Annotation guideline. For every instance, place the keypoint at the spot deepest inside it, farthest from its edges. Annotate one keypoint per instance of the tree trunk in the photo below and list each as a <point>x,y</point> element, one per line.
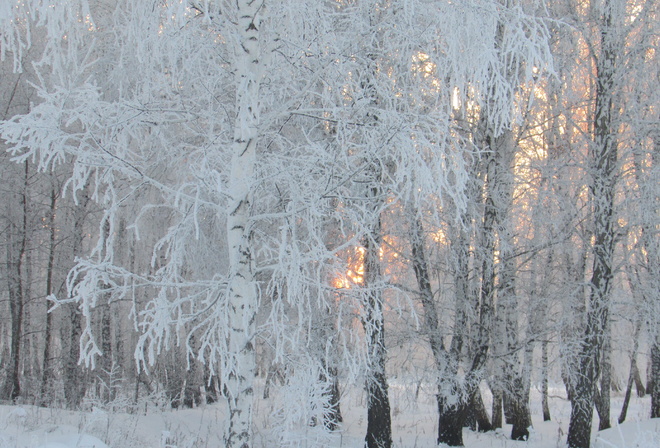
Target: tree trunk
<point>106,364</point>
<point>29,359</point>
<point>521,417</point>
<point>626,399</point>
<point>500,183</point>
<point>328,374</point>
<point>575,314</point>
<point>431,323</point>
<point>650,299</point>
<point>12,387</point>
<point>498,397</point>
<point>329,370</point>
<point>47,374</point>
<point>379,423</point>
<point>451,418</point>
<point>75,381</point>
<point>544,381</point>
<point>450,423</point>
<point>633,375</point>
<point>16,247</point>
<point>603,169</point>
<point>242,288</point>
<point>105,374</point>
<point>639,386</point>
<point>516,394</point>
<point>483,421</point>
<point>655,378</point>
<point>333,417</point>
<point>603,402</point>
<point>501,371</point>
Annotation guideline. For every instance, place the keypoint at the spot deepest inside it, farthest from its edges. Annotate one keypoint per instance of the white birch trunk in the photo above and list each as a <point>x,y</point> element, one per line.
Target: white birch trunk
<point>242,300</point>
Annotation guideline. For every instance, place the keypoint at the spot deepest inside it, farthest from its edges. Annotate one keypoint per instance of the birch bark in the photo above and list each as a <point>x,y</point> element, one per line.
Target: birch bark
<point>604,165</point>
<point>242,290</point>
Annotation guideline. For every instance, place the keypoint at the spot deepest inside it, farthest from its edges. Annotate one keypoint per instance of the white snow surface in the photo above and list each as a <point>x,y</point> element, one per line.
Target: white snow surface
<point>414,425</point>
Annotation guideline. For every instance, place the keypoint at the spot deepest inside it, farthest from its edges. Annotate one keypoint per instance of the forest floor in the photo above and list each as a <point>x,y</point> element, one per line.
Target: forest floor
<point>414,424</point>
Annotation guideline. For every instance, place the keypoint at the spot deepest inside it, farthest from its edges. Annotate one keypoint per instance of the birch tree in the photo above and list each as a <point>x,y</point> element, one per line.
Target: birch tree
<point>491,135</point>
<point>242,288</point>
<point>604,171</point>
<point>642,139</point>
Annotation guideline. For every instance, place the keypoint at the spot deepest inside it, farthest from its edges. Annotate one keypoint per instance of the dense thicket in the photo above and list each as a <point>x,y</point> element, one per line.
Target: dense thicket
<point>214,200</point>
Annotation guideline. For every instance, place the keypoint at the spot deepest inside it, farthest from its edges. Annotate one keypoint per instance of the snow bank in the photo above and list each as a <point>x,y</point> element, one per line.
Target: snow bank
<point>25,427</point>
<point>48,436</point>
<point>641,434</point>
<point>73,440</point>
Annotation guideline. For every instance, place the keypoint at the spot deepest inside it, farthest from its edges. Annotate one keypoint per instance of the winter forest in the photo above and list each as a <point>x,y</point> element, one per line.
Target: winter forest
<point>297,212</point>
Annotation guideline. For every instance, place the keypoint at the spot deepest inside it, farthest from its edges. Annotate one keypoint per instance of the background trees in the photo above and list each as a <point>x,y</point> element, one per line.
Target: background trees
<point>317,185</point>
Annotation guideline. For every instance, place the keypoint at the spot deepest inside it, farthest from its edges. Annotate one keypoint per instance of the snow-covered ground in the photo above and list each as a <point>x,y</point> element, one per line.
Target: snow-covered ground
<point>414,426</point>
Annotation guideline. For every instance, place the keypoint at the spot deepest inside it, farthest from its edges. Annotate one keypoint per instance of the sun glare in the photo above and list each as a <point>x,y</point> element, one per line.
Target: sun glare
<point>354,274</point>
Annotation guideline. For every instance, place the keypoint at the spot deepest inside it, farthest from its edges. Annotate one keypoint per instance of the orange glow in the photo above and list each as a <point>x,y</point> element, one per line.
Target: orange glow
<point>439,236</point>
<point>354,275</point>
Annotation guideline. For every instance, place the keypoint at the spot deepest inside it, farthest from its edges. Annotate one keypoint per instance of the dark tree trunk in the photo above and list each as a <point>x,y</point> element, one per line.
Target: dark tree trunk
<point>641,390</point>
<point>603,168</point>
<point>211,385</point>
<point>379,423</point>
<point>75,381</point>
<point>520,415</point>
<point>603,402</point>
<point>544,381</point>
<point>633,375</point>
<point>521,418</point>
<point>507,401</point>
<point>498,395</point>
<point>432,326</point>
<point>29,365</point>
<point>582,405</point>
<point>450,424</point>
<point>47,370</point>
<point>333,417</point>
<point>332,414</point>
<point>626,399</point>
<point>655,378</point>
<point>452,417</point>
<point>107,364</point>
<point>16,247</point>
<point>379,426</point>
<point>483,422</point>
<point>470,419</point>
<point>13,381</point>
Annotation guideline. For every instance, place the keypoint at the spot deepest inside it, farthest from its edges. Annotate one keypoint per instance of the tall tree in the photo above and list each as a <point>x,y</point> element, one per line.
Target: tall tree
<point>16,246</point>
<point>242,288</point>
<point>603,155</point>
